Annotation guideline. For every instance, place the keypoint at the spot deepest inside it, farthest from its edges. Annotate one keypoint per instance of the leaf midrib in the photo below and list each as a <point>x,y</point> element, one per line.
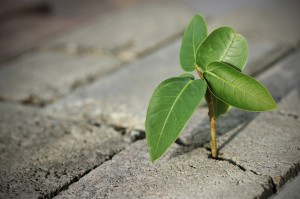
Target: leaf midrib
<point>160,135</point>
<point>231,42</point>
<point>234,85</point>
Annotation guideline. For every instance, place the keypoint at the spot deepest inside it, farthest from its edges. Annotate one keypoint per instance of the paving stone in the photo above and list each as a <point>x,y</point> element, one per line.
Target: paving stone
<point>21,33</point>
<point>122,98</point>
<point>42,77</point>
<point>290,190</point>
<point>130,32</point>
<point>180,174</point>
<point>41,155</point>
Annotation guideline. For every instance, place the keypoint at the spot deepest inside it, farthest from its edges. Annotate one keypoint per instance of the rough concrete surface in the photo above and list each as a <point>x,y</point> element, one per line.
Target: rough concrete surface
<point>132,31</point>
<point>178,175</point>
<point>41,155</point>
<point>43,77</point>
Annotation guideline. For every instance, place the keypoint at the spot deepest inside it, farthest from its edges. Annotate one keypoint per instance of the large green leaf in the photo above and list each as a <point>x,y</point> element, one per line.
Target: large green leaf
<point>238,89</point>
<point>170,108</point>
<point>193,36</point>
<point>223,45</point>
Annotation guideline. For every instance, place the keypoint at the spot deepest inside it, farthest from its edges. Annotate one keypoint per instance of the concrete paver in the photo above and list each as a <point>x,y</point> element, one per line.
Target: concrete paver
<point>42,155</point>
<point>43,77</point>
<point>178,175</point>
<point>133,31</point>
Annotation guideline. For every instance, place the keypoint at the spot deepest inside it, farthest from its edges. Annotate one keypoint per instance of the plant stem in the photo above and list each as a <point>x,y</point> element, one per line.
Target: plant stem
<point>212,119</point>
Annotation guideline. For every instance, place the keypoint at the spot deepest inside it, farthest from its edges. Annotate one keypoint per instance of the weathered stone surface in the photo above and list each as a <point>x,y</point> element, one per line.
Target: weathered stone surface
<point>41,155</point>
<point>42,77</point>
<point>290,190</point>
<point>125,94</point>
<point>180,174</point>
<point>130,32</point>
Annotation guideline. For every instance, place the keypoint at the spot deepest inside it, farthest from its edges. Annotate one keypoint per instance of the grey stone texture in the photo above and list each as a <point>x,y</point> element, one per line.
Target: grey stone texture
<point>41,155</point>
<point>43,77</point>
<point>131,32</point>
<point>180,174</point>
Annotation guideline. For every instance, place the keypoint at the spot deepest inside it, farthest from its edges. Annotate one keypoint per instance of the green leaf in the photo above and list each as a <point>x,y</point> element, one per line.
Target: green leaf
<point>223,45</point>
<point>189,75</point>
<point>238,89</point>
<point>220,107</point>
<point>193,36</point>
<point>170,108</point>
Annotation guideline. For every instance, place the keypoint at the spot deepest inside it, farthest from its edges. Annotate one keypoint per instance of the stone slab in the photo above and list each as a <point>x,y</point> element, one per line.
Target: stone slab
<point>43,77</point>
<point>42,155</point>
<point>123,96</point>
<point>130,32</point>
<point>180,174</point>
<point>290,190</point>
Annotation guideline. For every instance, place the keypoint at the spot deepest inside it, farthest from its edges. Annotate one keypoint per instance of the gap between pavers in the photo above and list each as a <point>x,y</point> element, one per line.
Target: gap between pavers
<point>178,174</point>
<point>42,155</point>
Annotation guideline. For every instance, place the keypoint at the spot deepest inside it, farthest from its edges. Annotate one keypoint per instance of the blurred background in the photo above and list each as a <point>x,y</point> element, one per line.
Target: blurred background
<point>49,48</point>
<point>24,24</point>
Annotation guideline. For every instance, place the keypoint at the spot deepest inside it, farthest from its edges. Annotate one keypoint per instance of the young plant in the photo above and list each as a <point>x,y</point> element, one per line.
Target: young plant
<point>219,59</point>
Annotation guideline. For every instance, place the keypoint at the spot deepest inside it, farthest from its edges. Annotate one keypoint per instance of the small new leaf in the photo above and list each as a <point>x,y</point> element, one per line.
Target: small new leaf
<point>170,107</point>
<point>238,89</point>
<point>194,34</point>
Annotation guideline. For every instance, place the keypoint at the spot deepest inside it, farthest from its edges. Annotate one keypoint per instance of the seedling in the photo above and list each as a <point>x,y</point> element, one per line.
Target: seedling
<point>219,59</point>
